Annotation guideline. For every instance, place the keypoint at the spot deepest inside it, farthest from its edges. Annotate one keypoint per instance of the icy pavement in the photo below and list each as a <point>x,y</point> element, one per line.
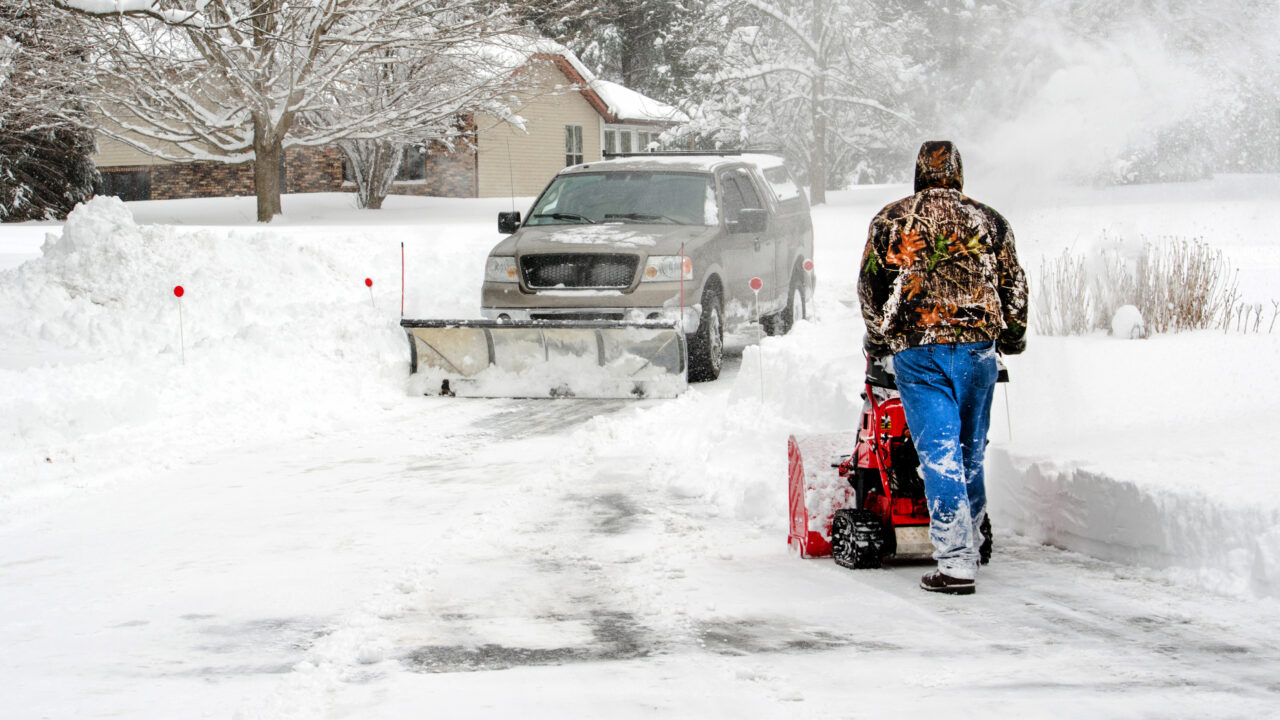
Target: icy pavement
<point>496,570</point>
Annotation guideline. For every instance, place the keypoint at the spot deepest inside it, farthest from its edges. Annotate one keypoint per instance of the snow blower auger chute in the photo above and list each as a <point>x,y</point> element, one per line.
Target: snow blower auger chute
<point>547,358</point>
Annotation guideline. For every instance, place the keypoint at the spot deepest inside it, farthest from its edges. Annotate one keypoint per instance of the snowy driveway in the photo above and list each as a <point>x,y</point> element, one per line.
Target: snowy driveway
<point>270,527</point>
<point>506,568</point>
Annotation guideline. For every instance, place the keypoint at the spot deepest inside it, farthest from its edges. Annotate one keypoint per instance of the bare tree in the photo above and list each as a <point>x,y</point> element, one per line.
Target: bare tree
<point>241,80</point>
<point>816,77</point>
<point>651,46</point>
<point>426,95</point>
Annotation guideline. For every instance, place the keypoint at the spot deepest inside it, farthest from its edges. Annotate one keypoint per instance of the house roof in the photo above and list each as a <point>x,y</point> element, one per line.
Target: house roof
<point>630,106</point>
<point>615,103</point>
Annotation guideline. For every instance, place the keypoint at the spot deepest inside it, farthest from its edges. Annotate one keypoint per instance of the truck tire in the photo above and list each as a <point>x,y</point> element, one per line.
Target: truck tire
<point>706,347</point>
<point>797,308</point>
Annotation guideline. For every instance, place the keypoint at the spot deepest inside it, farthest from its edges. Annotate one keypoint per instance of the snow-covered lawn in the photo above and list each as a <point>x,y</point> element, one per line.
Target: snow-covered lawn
<point>258,520</point>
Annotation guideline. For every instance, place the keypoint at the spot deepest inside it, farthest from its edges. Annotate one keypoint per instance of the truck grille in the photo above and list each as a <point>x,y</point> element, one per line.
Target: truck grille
<point>578,271</point>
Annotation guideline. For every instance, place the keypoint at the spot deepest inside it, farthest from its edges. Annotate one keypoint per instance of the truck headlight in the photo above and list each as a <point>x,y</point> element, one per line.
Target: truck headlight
<point>501,269</point>
<point>666,268</point>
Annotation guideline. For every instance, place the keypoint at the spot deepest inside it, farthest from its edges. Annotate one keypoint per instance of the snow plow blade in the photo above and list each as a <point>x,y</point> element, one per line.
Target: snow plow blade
<point>581,359</point>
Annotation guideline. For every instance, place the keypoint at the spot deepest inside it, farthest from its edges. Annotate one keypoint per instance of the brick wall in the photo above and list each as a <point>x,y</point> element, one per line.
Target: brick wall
<point>449,174</point>
<point>306,170</point>
<point>200,179</point>
<point>313,170</point>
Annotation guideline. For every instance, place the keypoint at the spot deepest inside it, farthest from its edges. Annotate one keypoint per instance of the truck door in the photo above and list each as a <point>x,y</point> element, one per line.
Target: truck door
<point>748,254</point>
<point>791,233</point>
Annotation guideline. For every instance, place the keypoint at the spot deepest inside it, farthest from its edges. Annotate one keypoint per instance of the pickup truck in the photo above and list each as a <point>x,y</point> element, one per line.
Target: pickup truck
<point>673,238</point>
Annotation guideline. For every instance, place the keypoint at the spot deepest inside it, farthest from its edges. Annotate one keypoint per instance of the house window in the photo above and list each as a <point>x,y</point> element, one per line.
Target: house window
<point>646,141</point>
<point>572,145</point>
<point>610,142</point>
<point>125,184</point>
<point>626,141</point>
<point>413,166</point>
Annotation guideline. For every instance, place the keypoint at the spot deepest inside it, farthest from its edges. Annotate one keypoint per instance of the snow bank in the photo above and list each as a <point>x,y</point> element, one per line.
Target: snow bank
<point>280,338</point>
<point>1153,452</point>
<point>1191,534</point>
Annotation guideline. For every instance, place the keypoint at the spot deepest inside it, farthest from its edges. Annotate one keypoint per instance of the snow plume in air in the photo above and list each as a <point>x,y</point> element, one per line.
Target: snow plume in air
<point>1113,94</point>
<point>1089,115</point>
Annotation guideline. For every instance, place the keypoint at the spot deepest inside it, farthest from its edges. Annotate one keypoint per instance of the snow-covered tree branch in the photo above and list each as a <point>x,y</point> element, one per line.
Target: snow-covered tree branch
<point>423,98</point>
<point>45,140</point>
<point>156,9</point>
<point>791,73</point>
<point>239,80</point>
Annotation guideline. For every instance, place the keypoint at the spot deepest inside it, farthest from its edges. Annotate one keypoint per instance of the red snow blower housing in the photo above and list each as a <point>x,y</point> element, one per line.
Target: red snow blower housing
<point>866,505</point>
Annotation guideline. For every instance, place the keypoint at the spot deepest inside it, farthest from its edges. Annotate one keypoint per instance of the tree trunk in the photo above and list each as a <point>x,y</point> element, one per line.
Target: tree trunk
<point>267,137</point>
<point>374,164</point>
<point>267,153</point>
<point>818,153</point>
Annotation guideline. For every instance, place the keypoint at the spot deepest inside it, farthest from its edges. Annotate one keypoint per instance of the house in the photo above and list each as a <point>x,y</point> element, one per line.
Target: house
<point>570,117</point>
<point>563,115</point>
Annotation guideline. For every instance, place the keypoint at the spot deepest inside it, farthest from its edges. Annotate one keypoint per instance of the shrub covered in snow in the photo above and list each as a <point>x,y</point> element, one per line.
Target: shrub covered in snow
<point>1172,285</point>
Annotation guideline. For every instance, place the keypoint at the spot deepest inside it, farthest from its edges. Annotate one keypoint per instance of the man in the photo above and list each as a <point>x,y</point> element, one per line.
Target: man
<point>942,291</point>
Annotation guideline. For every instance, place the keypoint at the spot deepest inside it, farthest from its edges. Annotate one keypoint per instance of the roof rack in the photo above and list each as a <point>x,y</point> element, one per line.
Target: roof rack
<point>690,153</point>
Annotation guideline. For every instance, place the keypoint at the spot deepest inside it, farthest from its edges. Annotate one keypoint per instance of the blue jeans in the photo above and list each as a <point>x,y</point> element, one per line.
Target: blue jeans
<point>946,392</point>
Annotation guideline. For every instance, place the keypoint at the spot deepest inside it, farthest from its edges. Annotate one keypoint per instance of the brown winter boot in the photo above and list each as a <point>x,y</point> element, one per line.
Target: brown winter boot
<point>940,582</point>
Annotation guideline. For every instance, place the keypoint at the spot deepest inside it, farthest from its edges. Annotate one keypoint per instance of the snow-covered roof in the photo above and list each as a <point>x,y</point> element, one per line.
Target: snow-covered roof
<point>618,104</point>
<point>628,105</point>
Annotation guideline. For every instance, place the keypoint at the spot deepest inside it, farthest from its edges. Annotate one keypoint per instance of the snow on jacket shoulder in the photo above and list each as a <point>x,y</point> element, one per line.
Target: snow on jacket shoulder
<point>940,267</point>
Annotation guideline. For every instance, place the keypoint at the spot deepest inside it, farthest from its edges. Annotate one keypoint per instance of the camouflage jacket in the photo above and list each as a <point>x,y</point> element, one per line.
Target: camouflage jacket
<point>940,267</point>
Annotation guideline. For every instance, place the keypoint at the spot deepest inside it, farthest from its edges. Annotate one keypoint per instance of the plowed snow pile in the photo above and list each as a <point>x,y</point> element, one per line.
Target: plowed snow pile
<point>278,340</point>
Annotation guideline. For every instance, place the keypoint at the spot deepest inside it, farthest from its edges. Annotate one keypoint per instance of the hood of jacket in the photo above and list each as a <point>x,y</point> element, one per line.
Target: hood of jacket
<point>938,166</point>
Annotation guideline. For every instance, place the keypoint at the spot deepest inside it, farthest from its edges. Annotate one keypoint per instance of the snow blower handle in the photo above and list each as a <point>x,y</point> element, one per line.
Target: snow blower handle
<point>880,372</point>
<point>873,349</point>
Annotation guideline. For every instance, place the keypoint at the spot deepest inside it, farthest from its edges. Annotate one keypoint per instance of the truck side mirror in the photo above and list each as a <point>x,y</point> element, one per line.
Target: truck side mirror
<point>751,220</point>
<point>508,222</point>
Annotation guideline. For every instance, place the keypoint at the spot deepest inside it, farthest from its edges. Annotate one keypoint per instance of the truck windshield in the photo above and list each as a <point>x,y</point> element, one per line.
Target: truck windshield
<point>668,198</point>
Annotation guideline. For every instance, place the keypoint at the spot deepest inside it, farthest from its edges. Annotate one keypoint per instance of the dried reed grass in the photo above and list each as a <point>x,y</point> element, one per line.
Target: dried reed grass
<point>1177,284</point>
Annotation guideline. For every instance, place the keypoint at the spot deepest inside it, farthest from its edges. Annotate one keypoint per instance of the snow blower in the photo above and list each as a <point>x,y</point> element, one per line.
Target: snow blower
<point>865,505</point>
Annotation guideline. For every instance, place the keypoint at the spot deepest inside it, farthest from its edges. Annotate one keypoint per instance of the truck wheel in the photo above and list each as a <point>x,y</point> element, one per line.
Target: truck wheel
<point>857,539</point>
<point>706,347</point>
<point>772,324</point>
<point>796,310</point>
